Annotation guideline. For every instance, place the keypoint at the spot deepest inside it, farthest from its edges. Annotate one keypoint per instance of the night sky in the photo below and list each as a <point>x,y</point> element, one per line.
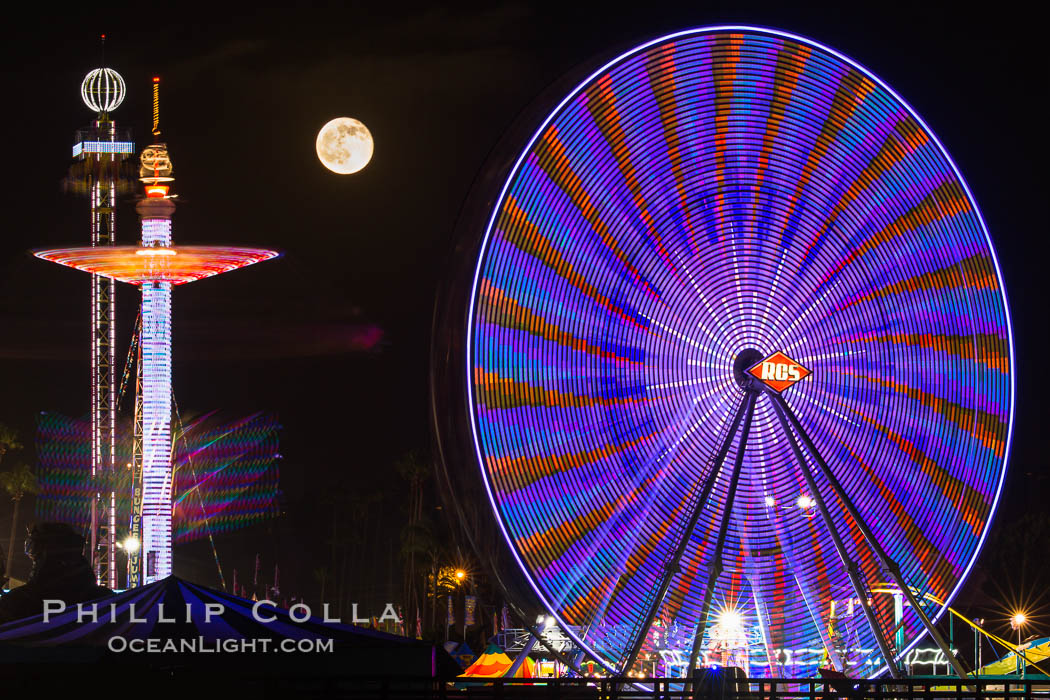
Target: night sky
<point>335,335</point>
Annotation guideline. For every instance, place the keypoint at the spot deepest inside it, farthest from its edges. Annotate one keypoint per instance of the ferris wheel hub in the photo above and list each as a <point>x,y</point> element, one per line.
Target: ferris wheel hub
<point>746,359</point>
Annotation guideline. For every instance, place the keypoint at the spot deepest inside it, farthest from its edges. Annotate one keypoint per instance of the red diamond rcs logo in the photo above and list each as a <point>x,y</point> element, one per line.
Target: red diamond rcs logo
<point>778,372</point>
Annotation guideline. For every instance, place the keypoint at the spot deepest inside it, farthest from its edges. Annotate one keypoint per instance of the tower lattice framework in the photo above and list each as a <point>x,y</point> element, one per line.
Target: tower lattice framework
<point>99,153</point>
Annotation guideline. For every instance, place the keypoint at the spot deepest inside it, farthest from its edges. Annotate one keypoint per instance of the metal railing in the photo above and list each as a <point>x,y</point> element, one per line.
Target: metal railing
<point>706,688</point>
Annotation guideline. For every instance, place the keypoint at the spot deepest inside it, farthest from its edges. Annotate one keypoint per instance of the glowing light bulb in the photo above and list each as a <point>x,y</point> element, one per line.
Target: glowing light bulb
<point>770,501</point>
<point>731,620</point>
<point>805,502</point>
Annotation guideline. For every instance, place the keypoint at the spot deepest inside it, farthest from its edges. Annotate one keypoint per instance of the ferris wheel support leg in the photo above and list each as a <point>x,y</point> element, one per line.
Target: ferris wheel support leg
<point>887,563</point>
<point>572,662</point>
<point>673,565</point>
<point>716,565</point>
<point>522,655</point>
<point>852,571</point>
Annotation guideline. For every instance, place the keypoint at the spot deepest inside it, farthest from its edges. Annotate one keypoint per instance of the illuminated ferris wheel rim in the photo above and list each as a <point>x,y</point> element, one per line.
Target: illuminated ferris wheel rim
<point>497,207</point>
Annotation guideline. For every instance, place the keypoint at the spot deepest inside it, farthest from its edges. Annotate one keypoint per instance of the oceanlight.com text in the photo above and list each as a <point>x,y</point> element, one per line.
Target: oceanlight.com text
<point>200,645</point>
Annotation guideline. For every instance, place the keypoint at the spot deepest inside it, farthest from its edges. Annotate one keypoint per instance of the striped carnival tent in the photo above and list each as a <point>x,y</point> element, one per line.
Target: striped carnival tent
<point>183,623</point>
<point>494,663</point>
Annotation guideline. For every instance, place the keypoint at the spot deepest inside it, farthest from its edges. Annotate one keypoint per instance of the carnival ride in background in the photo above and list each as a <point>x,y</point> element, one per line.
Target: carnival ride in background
<point>226,474</point>
<point>733,640</point>
<point>738,347</point>
<point>230,471</point>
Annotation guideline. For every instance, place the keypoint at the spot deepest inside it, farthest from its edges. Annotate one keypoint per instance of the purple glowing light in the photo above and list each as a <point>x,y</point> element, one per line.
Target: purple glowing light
<point>714,190</point>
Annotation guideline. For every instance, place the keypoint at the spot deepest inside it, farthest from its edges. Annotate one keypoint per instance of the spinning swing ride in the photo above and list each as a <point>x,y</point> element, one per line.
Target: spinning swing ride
<point>738,344</point>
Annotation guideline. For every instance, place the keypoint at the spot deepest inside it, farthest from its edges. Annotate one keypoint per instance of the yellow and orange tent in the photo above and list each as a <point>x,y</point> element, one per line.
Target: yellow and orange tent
<point>494,663</point>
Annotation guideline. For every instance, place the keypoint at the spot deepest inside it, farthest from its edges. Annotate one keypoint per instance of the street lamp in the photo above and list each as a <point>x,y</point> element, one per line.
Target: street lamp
<point>1017,622</point>
<point>977,647</point>
<point>461,576</point>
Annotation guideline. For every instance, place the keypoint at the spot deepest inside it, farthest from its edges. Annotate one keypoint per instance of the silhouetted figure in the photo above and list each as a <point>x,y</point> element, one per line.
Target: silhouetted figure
<point>839,682</point>
<point>60,572</point>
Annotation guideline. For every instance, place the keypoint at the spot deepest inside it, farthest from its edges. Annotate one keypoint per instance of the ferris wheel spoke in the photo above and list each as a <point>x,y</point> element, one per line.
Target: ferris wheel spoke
<point>967,501</point>
<point>668,105</point>
<point>946,200</point>
<point>786,416</point>
<point>673,565</point>
<point>724,80</point>
<point>986,427</point>
<point>608,123</point>
<point>502,310</point>
<point>899,143</point>
<point>716,565</point>
<point>984,349</point>
<point>922,549</point>
<point>782,338</point>
<point>852,571</point>
<point>850,94</point>
<point>524,235</point>
<point>974,272</point>
<point>553,159</point>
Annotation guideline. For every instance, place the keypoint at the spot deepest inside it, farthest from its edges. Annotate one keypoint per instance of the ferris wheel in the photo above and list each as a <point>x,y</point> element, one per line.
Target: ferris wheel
<point>738,347</point>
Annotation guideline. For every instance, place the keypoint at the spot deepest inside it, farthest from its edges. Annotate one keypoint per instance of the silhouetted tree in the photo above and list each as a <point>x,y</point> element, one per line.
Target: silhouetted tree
<point>417,534</point>
<point>17,482</point>
<point>321,576</point>
<point>9,440</point>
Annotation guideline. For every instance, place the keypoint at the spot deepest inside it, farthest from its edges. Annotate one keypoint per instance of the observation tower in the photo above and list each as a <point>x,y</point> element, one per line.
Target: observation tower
<point>99,153</point>
<point>156,266</point>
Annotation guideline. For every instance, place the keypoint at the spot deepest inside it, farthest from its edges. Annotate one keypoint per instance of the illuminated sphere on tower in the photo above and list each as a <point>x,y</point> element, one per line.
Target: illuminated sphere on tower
<point>103,90</point>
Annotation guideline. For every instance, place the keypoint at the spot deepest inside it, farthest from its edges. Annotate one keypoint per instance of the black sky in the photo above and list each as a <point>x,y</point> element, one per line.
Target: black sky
<point>243,95</point>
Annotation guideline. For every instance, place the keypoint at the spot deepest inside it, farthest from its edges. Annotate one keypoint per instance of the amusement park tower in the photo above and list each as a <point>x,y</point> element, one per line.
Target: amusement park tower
<point>99,152</point>
<point>156,266</point>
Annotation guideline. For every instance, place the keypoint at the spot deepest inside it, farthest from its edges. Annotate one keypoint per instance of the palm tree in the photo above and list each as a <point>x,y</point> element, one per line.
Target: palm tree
<point>8,440</point>
<point>321,576</point>
<point>417,534</point>
<point>17,482</point>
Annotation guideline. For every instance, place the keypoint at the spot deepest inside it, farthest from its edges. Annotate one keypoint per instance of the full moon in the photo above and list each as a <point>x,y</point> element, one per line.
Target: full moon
<point>344,145</point>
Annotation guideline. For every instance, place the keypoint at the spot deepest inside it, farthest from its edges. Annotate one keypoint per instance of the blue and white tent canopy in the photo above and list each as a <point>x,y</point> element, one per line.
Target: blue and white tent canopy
<point>177,610</point>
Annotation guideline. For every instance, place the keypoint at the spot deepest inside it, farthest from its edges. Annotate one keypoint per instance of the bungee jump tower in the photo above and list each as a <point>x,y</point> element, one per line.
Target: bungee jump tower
<point>100,152</point>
